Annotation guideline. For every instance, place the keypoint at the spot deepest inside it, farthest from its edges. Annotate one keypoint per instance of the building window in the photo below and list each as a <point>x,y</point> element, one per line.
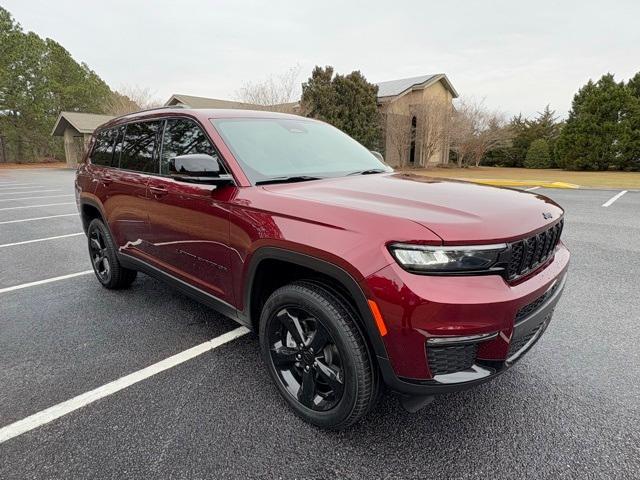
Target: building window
<point>412,150</point>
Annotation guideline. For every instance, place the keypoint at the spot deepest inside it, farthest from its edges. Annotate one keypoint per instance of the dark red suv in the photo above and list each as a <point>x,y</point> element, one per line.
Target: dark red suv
<point>353,276</point>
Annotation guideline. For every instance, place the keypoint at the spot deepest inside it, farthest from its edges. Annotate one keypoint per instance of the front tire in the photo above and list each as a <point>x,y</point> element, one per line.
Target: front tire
<point>317,356</point>
<point>104,260</point>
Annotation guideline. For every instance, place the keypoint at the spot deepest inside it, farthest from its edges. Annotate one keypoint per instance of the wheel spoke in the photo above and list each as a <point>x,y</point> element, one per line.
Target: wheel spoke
<point>292,325</point>
<point>319,339</point>
<point>96,244</point>
<point>307,391</point>
<point>283,356</point>
<point>330,376</point>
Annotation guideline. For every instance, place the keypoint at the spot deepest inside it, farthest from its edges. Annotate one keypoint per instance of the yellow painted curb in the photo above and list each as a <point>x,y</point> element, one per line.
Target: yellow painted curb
<point>521,183</point>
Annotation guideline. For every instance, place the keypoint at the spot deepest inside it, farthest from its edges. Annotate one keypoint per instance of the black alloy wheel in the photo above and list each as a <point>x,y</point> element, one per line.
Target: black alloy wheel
<point>306,358</point>
<point>99,258</point>
<point>316,354</point>
<point>104,260</point>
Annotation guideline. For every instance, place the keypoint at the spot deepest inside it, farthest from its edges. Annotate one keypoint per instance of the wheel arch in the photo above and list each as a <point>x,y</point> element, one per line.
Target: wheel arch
<point>90,209</point>
<point>334,275</point>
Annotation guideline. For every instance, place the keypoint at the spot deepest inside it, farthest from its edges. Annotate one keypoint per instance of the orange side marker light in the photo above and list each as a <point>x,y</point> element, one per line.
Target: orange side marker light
<point>382,328</point>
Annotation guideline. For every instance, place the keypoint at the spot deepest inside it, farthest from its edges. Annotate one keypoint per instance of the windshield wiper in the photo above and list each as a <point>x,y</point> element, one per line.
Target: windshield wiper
<point>292,179</point>
<point>368,172</point>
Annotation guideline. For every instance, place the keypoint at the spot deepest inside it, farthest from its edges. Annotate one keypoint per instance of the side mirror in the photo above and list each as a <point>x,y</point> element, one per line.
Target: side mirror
<point>378,155</point>
<point>194,165</point>
<point>198,168</point>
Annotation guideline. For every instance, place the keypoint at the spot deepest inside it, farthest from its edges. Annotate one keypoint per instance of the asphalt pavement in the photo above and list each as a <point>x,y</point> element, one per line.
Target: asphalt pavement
<point>569,409</point>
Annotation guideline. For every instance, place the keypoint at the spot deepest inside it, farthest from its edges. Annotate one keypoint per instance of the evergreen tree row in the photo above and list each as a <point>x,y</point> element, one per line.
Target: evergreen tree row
<point>38,80</point>
<point>602,132</point>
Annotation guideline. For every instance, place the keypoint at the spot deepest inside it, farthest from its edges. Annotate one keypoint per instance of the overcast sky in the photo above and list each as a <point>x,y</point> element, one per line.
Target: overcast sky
<point>517,55</point>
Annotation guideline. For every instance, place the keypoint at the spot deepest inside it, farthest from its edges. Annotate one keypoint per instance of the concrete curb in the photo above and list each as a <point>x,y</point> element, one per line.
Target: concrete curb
<point>521,183</point>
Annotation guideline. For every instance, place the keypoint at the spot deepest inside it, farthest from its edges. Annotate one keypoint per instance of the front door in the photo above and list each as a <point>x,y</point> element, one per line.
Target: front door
<point>189,223</point>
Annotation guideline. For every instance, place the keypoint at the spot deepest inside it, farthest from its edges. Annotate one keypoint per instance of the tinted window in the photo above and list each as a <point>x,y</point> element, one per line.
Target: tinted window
<point>138,149</point>
<point>102,153</point>
<point>117,148</point>
<point>182,137</point>
<point>270,148</point>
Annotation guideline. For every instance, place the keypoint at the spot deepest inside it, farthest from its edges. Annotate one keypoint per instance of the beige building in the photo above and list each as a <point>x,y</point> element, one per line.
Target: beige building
<point>415,114</point>
<point>76,128</point>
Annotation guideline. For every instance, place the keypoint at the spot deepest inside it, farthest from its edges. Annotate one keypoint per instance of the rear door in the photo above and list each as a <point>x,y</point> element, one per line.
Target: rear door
<point>127,199</point>
<point>189,222</point>
<point>101,161</point>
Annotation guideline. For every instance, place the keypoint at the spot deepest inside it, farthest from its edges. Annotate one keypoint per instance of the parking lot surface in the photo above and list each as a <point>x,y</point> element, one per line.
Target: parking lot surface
<point>569,409</point>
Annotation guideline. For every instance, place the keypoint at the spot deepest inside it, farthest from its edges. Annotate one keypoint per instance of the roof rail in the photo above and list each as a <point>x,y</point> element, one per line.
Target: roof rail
<point>150,110</point>
<point>159,108</point>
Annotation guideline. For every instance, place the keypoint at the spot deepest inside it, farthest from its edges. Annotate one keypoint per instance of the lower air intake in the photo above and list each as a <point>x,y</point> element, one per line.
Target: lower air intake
<point>451,359</point>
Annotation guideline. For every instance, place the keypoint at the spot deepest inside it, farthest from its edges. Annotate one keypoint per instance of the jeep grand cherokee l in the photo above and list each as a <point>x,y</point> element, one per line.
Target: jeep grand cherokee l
<point>353,275</point>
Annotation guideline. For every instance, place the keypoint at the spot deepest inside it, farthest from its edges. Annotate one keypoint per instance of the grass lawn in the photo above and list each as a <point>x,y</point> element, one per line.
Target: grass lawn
<point>584,179</point>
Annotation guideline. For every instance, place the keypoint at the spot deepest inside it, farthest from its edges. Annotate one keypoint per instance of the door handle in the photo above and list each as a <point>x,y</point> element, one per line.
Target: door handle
<point>158,191</point>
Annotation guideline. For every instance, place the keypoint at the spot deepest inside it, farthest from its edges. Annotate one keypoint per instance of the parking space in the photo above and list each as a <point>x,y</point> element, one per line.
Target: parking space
<point>27,231</point>
<point>570,409</point>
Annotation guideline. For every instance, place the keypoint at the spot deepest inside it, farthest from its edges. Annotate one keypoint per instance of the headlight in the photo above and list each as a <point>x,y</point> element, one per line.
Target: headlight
<point>426,259</point>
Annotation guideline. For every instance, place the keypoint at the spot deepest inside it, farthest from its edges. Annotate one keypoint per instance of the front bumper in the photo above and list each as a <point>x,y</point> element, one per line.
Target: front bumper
<point>497,323</point>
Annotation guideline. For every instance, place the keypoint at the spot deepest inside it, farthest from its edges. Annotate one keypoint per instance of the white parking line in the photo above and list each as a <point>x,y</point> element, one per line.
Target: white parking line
<point>614,198</point>
<point>31,198</point>
<point>36,206</point>
<point>42,282</point>
<point>45,416</point>
<point>41,240</point>
<point>532,188</point>
<point>19,186</point>
<point>38,218</point>
<point>29,191</point>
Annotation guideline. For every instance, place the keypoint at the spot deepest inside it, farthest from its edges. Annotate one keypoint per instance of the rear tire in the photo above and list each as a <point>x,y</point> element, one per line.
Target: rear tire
<point>102,252</point>
<point>317,356</point>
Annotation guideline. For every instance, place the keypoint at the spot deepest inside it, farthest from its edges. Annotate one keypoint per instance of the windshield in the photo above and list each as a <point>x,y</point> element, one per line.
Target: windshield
<point>274,148</point>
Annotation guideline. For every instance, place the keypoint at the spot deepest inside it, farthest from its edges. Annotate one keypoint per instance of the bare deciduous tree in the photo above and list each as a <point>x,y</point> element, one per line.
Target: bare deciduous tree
<point>433,120</point>
<point>129,99</point>
<point>398,135</point>
<point>475,130</point>
<point>274,93</point>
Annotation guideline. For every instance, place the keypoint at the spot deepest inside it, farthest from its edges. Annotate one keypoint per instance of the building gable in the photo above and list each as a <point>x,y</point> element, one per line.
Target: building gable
<point>396,88</point>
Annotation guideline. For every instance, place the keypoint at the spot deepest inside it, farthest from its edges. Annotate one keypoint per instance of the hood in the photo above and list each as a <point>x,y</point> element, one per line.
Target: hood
<point>458,212</point>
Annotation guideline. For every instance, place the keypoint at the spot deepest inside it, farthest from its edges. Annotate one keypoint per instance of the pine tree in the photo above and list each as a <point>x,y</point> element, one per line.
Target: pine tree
<point>629,140</point>
<point>348,102</point>
<point>591,136</point>
<point>538,155</point>
<point>38,80</point>
<point>544,125</point>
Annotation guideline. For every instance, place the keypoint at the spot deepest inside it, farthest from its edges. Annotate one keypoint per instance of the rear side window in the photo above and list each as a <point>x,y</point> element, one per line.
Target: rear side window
<point>102,153</point>
<point>183,137</point>
<point>139,147</point>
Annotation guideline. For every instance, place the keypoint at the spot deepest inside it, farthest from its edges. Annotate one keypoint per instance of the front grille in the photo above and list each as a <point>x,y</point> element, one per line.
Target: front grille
<point>528,254</point>
<point>452,358</point>
<point>537,303</point>
<point>518,344</point>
